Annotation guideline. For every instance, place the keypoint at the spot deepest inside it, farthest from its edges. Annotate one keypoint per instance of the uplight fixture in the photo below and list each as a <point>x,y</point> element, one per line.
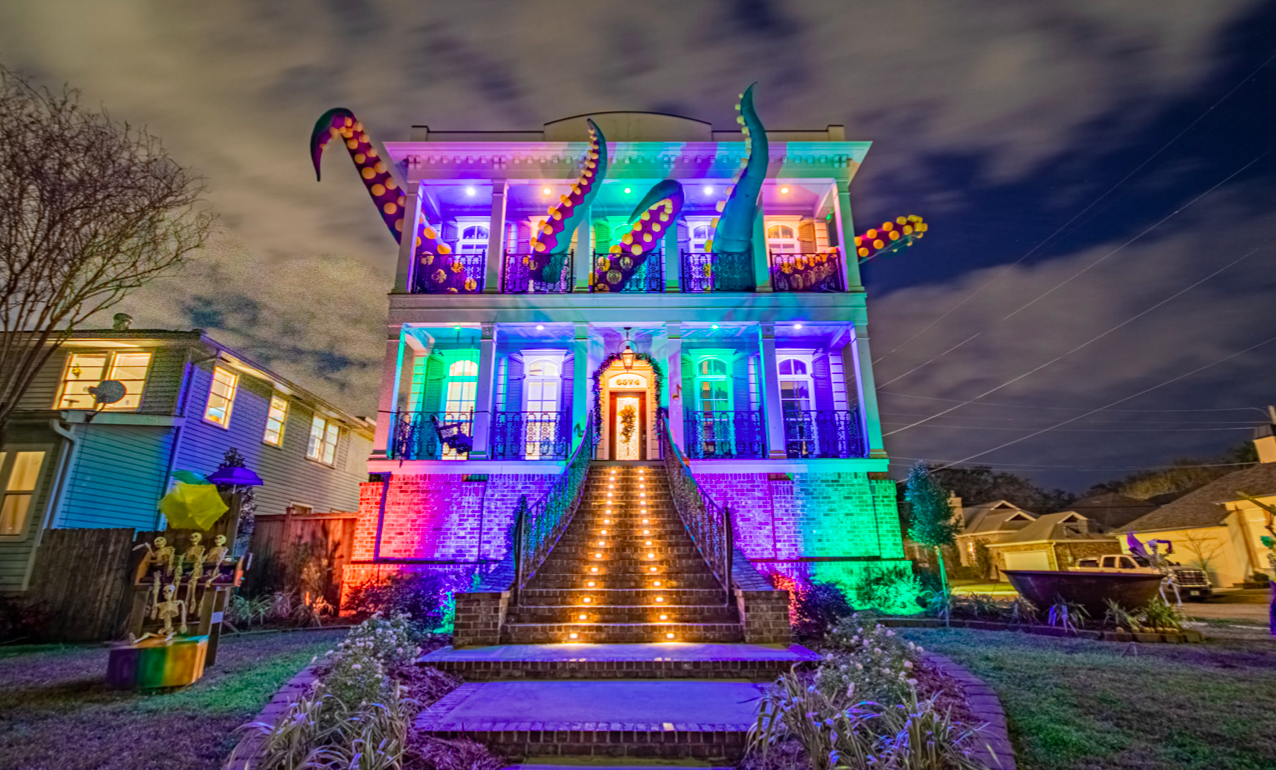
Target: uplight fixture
<point>667,636</point>
<point>653,569</point>
<point>586,600</point>
<point>592,569</point>
<point>590,584</point>
<point>660,598</point>
<point>649,556</point>
<point>662,617</point>
<point>797,326</point>
<point>714,326</point>
<point>708,189</point>
<point>582,617</point>
<point>656,584</point>
<point>573,636</point>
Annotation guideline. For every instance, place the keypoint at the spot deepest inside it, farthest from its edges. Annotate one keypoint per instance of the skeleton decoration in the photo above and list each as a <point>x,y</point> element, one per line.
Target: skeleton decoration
<point>158,553</point>
<point>195,555</point>
<point>214,558</point>
<point>170,608</point>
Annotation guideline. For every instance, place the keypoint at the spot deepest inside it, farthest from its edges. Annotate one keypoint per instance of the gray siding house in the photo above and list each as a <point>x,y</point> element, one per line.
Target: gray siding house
<point>188,399</point>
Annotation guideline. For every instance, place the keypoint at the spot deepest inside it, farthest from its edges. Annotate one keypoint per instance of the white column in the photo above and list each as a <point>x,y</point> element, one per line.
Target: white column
<point>673,395</point>
<point>580,383</point>
<point>862,359</point>
<point>846,235</point>
<point>770,376</point>
<point>413,195</point>
<point>673,261</point>
<point>584,250</point>
<point>761,258</point>
<point>495,267</point>
<point>388,404</point>
<point>483,393</point>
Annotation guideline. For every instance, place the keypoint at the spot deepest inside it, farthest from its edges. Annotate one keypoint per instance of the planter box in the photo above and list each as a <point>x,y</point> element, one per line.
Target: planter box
<point>155,663</point>
<point>1145,636</point>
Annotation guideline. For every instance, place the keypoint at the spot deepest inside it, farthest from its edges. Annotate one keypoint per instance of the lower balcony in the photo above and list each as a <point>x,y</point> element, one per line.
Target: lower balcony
<point>724,435</point>
<point>717,271</point>
<point>823,434</point>
<point>431,435</point>
<point>818,272</point>
<point>530,436</point>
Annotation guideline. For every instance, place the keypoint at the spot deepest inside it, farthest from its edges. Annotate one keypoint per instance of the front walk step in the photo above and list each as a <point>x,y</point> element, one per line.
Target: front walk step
<point>753,662</point>
<point>615,718</point>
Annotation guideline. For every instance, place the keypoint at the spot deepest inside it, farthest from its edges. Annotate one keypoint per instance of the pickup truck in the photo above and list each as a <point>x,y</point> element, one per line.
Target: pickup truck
<point>1193,584</point>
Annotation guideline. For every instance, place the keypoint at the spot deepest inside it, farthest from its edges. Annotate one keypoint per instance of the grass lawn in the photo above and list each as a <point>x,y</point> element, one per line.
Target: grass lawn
<point>1074,704</point>
<point>56,713</point>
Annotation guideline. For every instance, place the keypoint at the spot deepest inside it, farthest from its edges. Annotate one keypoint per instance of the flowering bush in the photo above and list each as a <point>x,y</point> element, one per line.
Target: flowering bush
<point>867,661</point>
<point>355,677</point>
<point>392,641</point>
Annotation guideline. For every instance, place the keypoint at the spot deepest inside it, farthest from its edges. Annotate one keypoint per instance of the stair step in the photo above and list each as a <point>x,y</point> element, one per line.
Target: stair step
<point>620,633</point>
<point>620,718</point>
<point>576,579</point>
<point>624,613</point>
<point>611,596</point>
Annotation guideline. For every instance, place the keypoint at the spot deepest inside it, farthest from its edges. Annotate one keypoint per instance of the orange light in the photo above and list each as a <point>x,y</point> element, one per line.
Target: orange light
<point>573,636</point>
<point>590,584</point>
<point>582,617</point>
<point>657,584</point>
<point>784,191</point>
<point>598,556</point>
<point>593,569</point>
<point>586,600</point>
<point>648,542</point>
<point>548,191</point>
<point>653,569</point>
<point>603,532</point>
<point>667,636</point>
<point>649,556</point>
<point>660,598</point>
<point>662,617</point>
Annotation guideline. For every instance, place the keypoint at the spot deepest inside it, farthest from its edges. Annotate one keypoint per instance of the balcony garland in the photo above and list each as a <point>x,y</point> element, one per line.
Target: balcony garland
<point>656,369</point>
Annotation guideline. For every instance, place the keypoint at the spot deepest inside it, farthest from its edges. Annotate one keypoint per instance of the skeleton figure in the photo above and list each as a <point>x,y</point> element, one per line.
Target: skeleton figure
<point>171,608</point>
<point>155,597</point>
<point>195,555</point>
<point>159,553</point>
<point>214,558</point>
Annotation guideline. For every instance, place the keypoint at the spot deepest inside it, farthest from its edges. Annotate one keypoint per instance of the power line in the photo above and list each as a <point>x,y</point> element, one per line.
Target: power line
<point>1094,339</point>
<point>1088,430</point>
<point>951,463</point>
<point>1114,403</point>
<point>1079,214</point>
<point>1073,408</point>
<point>1250,423</point>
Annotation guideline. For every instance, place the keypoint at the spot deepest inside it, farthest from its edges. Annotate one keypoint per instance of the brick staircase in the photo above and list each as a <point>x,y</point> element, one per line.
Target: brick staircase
<point>625,571</point>
<point>655,670</point>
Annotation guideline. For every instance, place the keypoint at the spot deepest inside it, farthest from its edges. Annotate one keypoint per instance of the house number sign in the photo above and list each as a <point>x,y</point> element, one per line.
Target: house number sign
<point>628,381</point>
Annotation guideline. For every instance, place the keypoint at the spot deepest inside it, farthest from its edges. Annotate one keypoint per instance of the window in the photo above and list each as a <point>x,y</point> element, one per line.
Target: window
<point>472,239</point>
<point>324,435</point>
<point>699,231</point>
<point>795,385</point>
<point>19,473</point>
<point>782,239</point>
<point>221,397</point>
<point>541,394</point>
<point>459,399</point>
<point>86,370</point>
<point>275,420</point>
<point>712,388</point>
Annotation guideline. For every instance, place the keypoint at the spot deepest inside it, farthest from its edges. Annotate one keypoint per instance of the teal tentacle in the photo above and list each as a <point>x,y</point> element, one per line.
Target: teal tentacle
<point>668,188</point>
<point>734,231</point>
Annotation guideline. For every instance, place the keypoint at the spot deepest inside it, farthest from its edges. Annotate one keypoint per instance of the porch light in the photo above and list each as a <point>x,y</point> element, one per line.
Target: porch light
<point>546,191</point>
<point>626,191</point>
<point>784,191</point>
<point>540,327</point>
<point>470,191</point>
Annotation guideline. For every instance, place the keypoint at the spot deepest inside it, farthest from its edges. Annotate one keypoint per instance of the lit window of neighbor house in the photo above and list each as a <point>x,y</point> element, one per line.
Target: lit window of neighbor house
<point>275,420</point>
<point>87,370</point>
<point>221,397</point>
<point>324,435</point>
<point>19,472</point>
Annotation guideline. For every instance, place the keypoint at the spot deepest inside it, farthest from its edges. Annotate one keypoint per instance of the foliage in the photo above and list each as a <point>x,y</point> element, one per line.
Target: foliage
<point>983,560</point>
<point>1160,614</point>
<point>90,209</point>
<point>247,502</point>
<point>19,619</point>
<point>1184,475</point>
<point>1067,615</point>
<point>981,484</point>
<point>868,659</point>
<point>427,597</point>
<point>932,521</point>
<point>983,607</point>
<point>814,606</point>
<point>390,640</point>
<point>628,423</point>
<point>430,753</point>
<point>890,589</point>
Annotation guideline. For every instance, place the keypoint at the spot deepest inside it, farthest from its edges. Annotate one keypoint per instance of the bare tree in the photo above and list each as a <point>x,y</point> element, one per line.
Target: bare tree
<point>90,209</point>
<point>1203,548</point>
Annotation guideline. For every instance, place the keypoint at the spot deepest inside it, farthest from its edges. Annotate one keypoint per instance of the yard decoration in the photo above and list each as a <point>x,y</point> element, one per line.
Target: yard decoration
<point>193,506</point>
<point>155,663</point>
<point>1270,542</point>
<point>655,214</point>
<point>733,229</point>
<point>890,237</point>
<point>550,245</point>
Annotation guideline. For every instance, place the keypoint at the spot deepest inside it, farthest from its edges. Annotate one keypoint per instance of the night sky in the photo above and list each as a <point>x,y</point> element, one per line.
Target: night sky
<point>1081,164</point>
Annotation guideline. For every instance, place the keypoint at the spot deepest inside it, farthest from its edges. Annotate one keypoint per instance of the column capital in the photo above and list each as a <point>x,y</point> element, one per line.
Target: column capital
<point>581,331</point>
<point>673,330</point>
<point>767,330</point>
<point>487,331</point>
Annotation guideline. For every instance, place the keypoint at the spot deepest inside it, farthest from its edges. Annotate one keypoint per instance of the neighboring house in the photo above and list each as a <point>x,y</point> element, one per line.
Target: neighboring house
<point>1112,511</point>
<point>1216,529</point>
<point>188,399</point>
<point>988,523</point>
<point>1053,541</point>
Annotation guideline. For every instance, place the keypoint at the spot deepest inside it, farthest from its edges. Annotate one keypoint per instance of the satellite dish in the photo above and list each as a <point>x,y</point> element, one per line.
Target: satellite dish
<point>107,392</point>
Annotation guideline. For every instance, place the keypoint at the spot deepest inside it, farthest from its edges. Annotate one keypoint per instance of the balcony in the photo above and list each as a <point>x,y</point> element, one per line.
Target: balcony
<point>524,274</point>
<point>724,435</point>
<point>647,278</point>
<point>414,436</point>
<point>450,274</point>
<point>816,272</point>
<point>716,271</point>
<point>530,436</point>
<point>823,434</point>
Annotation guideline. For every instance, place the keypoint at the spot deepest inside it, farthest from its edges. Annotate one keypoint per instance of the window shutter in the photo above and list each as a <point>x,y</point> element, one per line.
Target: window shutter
<point>434,376</point>
<point>684,234</point>
<point>806,236</point>
<point>514,385</point>
<point>566,393</point>
<point>450,232</point>
<point>823,378</point>
<point>740,383</point>
<point>524,237</point>
<point>602,235</point>
<point>689,386</point>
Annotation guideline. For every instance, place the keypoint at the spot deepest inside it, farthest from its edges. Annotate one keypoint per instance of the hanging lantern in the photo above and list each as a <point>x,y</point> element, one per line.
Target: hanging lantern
<point>627,357</point>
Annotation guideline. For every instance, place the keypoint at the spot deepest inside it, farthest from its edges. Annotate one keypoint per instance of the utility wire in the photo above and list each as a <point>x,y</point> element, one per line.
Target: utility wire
<point>1073,408</point>
<point>951,463</point>
<point>1090,341</point>
<point>1078,215</point>
<point>1114,403</point>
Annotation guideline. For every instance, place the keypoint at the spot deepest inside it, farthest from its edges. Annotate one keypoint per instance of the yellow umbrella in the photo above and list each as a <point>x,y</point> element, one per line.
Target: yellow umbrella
<point>192,506</point>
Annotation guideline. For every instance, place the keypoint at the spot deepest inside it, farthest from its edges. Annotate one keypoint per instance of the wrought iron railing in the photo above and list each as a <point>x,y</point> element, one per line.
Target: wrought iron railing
<point>450,274</point>
<point>530,436</point>
<point>717,271</point>
<point>413,435</point>
<point>724,435</point>
<point>525,274</point>
<point>821,271</point>
<point>708,523</point>
<point>647,278</point>
<point>538,525</point>
<point>823,433</point>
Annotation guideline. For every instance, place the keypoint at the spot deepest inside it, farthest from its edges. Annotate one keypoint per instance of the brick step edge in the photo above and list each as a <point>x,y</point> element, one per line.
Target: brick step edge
<point>1186,636</point>
<point>247,753</point>
<point>639,740</point>
<point>506,670</point>
<point>992,746</point>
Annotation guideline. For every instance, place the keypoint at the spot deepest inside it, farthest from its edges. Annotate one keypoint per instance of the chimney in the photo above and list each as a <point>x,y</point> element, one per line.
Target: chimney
<point>1265,442</point>
<point>122,322</point>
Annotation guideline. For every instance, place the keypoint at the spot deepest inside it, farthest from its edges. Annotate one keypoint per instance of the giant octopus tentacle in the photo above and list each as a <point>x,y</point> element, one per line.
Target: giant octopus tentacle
<point>550,245</point>
<point>891,237</point>
<point>658,211</point>
<point>733,231</point>
<point>389,199</point>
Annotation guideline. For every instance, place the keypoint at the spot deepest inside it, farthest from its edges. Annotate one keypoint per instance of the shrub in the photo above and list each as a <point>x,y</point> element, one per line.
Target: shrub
<point>425,596</point>
<point>867,660</point>
<point>893,590</point>
<point>19,619</point>
<point>814,607</point>
<point>389,640</point>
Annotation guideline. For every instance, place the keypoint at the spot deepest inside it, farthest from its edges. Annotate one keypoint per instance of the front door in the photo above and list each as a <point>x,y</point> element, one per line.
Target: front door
<point>627,423</point>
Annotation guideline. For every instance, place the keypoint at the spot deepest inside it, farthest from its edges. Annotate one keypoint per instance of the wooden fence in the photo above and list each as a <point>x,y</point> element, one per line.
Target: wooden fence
<point>82,580</point>
<point>329,536</point>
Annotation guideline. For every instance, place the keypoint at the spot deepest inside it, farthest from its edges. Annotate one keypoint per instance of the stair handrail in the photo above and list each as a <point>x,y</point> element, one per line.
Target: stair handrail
<point>708,522</point>
<point>537,526</point>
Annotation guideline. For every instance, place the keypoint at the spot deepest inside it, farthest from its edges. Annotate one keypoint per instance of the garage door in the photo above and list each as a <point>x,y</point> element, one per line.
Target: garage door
<point>1028,560</point>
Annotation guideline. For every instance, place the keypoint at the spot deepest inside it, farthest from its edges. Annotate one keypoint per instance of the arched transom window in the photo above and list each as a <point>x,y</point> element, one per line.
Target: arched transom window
<point>782,239</point>
<point>796,391</point>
